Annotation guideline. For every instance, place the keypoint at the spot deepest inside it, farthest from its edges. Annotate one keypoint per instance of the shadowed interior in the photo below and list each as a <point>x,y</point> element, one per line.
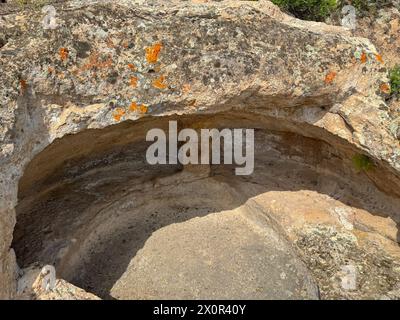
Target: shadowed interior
<point>90,203</point>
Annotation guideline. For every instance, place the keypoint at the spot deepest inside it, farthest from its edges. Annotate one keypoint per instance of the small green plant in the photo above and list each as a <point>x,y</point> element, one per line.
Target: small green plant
<point>317,10</point>
<point>394,76</point>
<point>362,162</point>
<point>370,6</point>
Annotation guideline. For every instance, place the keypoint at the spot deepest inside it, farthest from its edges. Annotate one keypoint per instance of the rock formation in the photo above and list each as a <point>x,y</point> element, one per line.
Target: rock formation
<point>76,192</point>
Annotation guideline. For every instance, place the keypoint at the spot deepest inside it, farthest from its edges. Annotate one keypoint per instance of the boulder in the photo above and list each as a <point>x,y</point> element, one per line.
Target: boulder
<point>111,65</point>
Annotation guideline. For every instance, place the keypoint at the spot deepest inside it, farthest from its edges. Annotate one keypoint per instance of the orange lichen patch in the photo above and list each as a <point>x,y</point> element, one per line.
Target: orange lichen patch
<point>186,88</point>
<point>23,85</point>
<point>117,115</point>
<point>63,52</point>
<point>133,107</point>
<point>330,77</point>
<point>50,70</point>
<point>133,82</point>
<point>363,57</point>
<point>159,83</point>
<point>131,66</point>
<point>379,58</point>
<point>384,87</point>
<point>105,64</point>
<point>143,108</point>
<point>152,53</point>
<point>94,62</point>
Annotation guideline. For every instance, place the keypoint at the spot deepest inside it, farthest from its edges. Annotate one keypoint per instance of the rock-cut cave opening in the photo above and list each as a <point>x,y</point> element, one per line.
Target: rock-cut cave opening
<point>112,224</point>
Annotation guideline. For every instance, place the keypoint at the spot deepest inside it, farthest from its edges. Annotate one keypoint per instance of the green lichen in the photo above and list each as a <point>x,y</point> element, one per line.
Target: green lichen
<point>362,163</point>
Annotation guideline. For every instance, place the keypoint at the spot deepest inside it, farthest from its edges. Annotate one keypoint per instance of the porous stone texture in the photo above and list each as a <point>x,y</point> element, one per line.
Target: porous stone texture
<point>76,103</point>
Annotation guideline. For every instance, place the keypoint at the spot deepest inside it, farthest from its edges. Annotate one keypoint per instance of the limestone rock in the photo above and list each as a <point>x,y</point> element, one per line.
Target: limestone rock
<point>76,101</point>
<point>200,260</point>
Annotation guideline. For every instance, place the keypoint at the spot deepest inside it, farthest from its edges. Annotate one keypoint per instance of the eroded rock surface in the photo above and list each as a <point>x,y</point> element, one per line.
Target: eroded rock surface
<point>224,255</point>
<point>384,31</point>
<point>76,103</point>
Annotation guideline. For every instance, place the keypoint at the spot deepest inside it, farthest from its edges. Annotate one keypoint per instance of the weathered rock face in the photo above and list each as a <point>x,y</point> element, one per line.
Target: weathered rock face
<point>384,32</point>
<point>109,72</point>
